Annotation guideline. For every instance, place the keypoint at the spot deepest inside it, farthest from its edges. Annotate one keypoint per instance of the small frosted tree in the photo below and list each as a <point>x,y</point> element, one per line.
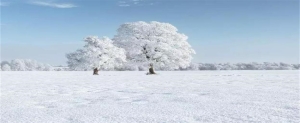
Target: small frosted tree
<point>154,42</point>
<point>97,53</point>
<point>6,67</point>
<point>25,65</point>
<point>47,67</point>
<point>5,62</point>
<point>18,65</point>
<point>296,66</point>
<point>31,65</point>
<point>194,66</point>
<point>284,66</point>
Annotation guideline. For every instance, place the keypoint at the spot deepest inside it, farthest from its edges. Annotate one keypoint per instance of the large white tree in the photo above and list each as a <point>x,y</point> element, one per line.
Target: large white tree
<point>97,53</point>
<point>154,42</point>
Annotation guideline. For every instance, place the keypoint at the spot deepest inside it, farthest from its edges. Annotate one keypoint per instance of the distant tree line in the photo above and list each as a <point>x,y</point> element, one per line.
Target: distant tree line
<point>24,65</point>
<point>243,66</point>
<point>33,65</point>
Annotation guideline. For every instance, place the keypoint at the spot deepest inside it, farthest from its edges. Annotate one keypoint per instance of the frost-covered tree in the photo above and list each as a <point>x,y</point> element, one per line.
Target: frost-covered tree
<point>6,67</point>
<point>251,66</point>
<point>18,65</point>
<point>154,42</point>
<point>40,67</point>
<point>26,65</point>
<point>193,66</point>
<point>128,67</point>
<point>284,66</point>
<point>296,66</point>
<point>209,66</point>
<point>31,65</point>
<point>97,53</point>
<point>48,67</point>
<point>270,66</point>
<point>76,60</point>
<point>4,62</point>
<point>229,66</point>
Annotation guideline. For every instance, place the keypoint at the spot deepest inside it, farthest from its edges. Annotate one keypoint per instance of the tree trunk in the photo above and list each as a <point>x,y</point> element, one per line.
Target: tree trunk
<point>151,70</point>
<point>95,71</point>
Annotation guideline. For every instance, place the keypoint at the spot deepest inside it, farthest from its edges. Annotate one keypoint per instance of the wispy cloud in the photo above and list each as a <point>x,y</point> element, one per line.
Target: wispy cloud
<point>123,4</point>
<point>54,5</point>
<point>4,4</point>
<point>127,3</point>
<point>136,1</point>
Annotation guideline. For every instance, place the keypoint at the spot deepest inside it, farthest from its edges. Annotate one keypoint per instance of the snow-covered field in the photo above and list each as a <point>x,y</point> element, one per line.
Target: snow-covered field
<point>189,96</point>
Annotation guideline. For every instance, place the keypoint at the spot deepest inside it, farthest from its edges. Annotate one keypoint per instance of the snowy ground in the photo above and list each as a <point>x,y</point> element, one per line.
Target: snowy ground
<point>200,96</point>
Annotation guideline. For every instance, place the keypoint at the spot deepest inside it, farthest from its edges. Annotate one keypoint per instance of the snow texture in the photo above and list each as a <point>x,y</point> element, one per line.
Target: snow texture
<point>188,96</point>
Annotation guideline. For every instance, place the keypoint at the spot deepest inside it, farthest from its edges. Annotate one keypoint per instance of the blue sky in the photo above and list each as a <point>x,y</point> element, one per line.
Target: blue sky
<point>219,30</point>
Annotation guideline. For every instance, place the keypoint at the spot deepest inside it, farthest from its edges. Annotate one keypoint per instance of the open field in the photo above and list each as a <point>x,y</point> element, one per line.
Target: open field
<point>180,96</point>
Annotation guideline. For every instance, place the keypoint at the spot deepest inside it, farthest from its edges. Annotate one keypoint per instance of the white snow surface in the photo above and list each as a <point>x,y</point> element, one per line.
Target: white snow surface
<point>170,97</point>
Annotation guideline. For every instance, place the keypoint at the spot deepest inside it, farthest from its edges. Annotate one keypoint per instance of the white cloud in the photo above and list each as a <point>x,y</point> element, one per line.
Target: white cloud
<point>124,5</point>
<point>136,1</point>
<point>55,5</point>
